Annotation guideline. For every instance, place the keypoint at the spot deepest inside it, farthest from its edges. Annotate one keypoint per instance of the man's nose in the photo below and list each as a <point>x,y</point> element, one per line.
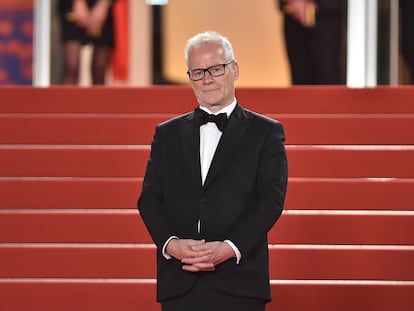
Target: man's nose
<point>207,76</point>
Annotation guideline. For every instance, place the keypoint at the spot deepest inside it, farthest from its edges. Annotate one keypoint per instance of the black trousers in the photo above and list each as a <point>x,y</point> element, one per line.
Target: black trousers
<point>316,55</point>
<point>407,33</point>
<point>203,298</point>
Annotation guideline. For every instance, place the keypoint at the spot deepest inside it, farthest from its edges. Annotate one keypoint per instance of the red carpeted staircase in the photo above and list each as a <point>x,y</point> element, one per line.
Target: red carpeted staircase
<point>71,168</point>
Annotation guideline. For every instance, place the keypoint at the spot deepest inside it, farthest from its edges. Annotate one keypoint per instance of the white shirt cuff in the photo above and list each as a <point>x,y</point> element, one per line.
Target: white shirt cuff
<point>164,252</point>
<point>235,249</point>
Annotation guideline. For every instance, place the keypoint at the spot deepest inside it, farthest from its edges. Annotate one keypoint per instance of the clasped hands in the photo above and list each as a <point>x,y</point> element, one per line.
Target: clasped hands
<point>91,19</point>
<point>199,255</point>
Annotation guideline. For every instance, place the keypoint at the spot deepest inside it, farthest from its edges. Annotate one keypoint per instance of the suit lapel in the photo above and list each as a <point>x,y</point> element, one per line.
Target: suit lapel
<point>190,138</point>
<point>235,129</point>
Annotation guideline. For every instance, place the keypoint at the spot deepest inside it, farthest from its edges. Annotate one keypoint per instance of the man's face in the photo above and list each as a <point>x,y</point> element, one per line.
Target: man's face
<point>213,93</point>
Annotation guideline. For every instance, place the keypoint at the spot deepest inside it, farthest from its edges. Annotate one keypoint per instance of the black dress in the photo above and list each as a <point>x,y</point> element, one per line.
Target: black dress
<point>70,31</point>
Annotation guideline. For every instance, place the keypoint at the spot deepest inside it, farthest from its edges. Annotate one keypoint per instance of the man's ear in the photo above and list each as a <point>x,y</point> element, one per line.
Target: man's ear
<point>236,70</point>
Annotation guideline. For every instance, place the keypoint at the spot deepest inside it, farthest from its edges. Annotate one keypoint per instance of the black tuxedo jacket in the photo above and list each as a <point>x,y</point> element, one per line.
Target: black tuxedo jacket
<point>241,199</point>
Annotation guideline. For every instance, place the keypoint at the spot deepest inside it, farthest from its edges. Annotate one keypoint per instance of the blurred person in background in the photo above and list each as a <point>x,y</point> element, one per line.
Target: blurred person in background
<point>314,32</point>
<point>407,35</point>
<point>86,22</point>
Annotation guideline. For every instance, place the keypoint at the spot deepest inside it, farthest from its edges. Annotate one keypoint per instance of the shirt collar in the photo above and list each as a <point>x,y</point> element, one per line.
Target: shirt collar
<point>228,109</point>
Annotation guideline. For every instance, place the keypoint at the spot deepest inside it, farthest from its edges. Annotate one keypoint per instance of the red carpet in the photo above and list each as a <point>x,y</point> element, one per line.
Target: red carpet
<point>72,162</point>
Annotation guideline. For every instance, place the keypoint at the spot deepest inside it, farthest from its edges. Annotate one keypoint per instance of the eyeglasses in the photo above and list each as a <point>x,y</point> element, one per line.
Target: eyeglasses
<point>214,71</point>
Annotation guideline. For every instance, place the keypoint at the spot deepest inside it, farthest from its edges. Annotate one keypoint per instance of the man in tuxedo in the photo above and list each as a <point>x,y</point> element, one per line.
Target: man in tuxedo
<point>215,185</point>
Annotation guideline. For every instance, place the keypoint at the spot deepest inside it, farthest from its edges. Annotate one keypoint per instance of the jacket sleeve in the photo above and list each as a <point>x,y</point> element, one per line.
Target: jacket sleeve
<point>151,202</point>
<point>271,183</point>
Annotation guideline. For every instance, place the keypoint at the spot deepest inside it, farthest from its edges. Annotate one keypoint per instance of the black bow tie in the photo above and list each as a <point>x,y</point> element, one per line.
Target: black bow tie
<point>201,117</point>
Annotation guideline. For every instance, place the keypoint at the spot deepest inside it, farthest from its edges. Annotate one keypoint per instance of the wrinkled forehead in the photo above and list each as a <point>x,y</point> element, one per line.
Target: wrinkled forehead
<point>209,53</point>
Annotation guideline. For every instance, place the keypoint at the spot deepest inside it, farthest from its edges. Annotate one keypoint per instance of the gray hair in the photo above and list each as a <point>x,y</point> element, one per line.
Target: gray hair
<point>209,37</point>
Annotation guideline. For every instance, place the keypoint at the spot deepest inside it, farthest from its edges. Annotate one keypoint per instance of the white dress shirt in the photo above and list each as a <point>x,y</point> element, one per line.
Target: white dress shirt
<point>209,138</point>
